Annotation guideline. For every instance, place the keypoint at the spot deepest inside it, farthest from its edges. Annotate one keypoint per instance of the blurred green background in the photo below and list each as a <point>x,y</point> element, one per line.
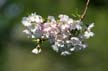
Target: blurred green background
<point>15,47</point>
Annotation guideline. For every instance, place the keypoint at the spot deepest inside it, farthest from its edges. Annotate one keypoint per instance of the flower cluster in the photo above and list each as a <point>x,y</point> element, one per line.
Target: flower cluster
<point>64,34</point>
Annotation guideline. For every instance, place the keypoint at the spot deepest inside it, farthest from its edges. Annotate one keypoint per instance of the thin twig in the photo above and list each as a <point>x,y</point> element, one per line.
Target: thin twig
<point>85,10</point>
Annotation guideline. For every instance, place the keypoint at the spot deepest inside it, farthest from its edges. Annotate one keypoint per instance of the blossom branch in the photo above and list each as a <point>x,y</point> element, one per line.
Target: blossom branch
<point>85,10</point>
<point>64,34</point>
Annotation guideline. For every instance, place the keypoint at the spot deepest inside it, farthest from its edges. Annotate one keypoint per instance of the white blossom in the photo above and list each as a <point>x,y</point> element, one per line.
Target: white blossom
<point>51,19</point>
<point>70,21</point>
<point>36,51</point>
<point>55,48</point>
<point>63,18</point>
<point>62,45</point>
<point>78,26</point>
<point>64,53</point>
<point>35,18</point>
<point>88,34</point>
<point>26,22</point>
<point>72,49</point>
<point>68,41</point>
<point>90,27</point>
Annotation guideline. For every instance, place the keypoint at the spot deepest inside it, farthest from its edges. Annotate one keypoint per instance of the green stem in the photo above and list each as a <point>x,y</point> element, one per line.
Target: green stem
<point>85,10</point>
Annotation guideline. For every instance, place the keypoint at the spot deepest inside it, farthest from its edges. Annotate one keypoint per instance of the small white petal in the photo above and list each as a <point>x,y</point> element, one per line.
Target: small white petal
<point>42,36</point>
<point>32,36</point>
<point>39,50</point>
<point>27,31</point>
<point>90,26</point>
<point>25,22</point>
<point>51,19</point>
<point>59,40</point>
<point>55,48</point>
<point>62,46</point>
<point>35,18</point>
<point>88,34</point>
<point>72,49</point>
<point>64,53</point>
<point>63,18</point>
<point>33,30</point>
<point>67,41</point>
<point>36,51</point>
<point>84,46</point>
<point>74,38</point>
<point>91,34</point>
<point>58,45</point>
<point>78,27</point>
<point>70,21</point>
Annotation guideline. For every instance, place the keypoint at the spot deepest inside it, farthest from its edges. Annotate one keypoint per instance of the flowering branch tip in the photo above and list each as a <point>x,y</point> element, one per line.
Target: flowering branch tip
<point>65,34</point>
